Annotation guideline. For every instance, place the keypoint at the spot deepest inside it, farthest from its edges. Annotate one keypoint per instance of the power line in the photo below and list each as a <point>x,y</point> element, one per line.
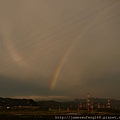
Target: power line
<point>110,18</point>
<point>58,25</point>
<point>67,46</point>
<point>42,46</point>
<point>83,26</point>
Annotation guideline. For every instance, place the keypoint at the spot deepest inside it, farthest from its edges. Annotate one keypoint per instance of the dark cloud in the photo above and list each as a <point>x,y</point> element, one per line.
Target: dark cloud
<point>13,87</point>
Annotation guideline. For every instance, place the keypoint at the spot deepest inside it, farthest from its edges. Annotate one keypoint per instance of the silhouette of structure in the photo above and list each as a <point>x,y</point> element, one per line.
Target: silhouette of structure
<point>88,102</point>
<point>98,105</point>
<point>108,104</point>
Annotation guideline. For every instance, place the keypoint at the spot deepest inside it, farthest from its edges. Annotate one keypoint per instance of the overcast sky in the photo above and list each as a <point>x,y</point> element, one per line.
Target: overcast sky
<point>60,48</point>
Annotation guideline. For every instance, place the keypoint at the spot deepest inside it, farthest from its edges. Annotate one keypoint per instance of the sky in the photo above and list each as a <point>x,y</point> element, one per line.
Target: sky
<point>59,49</point>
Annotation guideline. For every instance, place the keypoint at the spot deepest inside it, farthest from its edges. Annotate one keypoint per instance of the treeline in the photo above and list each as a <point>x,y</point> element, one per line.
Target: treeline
<point>17,102</point>
<point>55,104</point>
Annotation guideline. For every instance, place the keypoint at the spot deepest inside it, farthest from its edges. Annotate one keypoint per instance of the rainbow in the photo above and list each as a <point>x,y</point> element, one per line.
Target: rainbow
<point>57,72</point>
<point>59,67</point>
<point>13,53</point>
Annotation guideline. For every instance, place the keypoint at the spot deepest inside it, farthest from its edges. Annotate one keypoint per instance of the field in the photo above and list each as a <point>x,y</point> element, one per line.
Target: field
<point>38,114</point>
<point>50,114</point>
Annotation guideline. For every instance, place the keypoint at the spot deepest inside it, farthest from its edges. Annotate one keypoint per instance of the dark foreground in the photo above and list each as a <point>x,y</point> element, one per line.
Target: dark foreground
<point>59,117</point>
<point>56,115</point>
<point>27,117</point>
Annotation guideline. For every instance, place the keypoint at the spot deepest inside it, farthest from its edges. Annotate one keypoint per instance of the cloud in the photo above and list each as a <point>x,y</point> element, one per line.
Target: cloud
<point>35,39</point>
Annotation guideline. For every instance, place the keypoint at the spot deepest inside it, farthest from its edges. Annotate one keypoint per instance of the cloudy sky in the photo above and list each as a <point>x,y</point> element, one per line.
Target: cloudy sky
<point>60,48</point>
